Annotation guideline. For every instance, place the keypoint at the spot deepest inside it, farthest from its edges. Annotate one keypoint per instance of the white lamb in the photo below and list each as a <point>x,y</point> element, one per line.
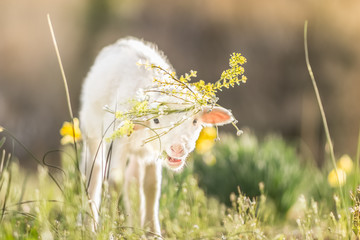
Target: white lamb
<point>115,78</point>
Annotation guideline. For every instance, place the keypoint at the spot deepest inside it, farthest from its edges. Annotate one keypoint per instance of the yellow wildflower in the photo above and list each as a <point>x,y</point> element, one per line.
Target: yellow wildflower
<point>1,129</point>
<point>119,115</point>
<point>345,163</point>
<point>206,140</point>
<point>126,129</point>
<point>236,58</point>
<point>70,132</point>
<point>204,145</point>
<point>336,180</point>
<point>141,107</point>
<point>230,77</point>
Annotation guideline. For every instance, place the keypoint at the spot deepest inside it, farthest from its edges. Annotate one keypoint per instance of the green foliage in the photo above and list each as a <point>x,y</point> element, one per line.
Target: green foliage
<point>36,208</point>
<point>245,162</point>
<point>185,211</point>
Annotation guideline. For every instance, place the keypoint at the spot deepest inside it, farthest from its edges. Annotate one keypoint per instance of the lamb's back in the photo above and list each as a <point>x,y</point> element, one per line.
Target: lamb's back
<point>115,78</point>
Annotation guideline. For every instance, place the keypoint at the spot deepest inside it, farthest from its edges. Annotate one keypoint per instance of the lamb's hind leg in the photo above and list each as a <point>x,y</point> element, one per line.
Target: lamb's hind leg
<point>150,189</point>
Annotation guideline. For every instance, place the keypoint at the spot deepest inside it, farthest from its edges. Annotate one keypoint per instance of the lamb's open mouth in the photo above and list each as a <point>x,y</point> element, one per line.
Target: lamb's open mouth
<point>174,162</point>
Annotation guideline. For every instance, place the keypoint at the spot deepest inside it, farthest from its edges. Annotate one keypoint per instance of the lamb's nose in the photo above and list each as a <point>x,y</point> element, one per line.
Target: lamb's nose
<point>177,150</point>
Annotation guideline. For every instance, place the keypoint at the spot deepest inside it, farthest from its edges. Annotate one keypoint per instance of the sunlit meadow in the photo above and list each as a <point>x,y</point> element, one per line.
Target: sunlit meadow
<point>234,187</point>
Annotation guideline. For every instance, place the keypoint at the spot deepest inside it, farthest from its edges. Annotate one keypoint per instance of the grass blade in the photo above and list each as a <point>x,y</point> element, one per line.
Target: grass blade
<point>61,67</point>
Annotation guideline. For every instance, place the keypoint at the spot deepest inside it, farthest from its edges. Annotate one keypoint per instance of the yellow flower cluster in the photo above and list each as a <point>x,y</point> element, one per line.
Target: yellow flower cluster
<point>192,96</point>
<point>126,129</point>
<point>337,177</point>
<point>231,76</point>
<point>228,78</point>
<point>205,93</point>
<point>70,132</point>
<point>188,76</point>
<point>140,107</point>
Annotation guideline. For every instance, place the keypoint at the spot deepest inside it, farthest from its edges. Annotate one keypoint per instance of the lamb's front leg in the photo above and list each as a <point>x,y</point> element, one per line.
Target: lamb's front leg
<point>95,194</point>
<point>96,162</point>
<point>150,188</point>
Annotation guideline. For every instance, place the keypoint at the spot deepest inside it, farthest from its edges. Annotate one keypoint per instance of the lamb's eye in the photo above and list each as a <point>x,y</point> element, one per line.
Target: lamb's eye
<point>195,121</point>
<point>156,121</point>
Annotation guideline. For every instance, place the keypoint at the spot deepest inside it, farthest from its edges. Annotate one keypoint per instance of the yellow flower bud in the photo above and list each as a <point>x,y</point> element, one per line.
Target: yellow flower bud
<point>338,179</point>
<point>204,145</point>
<point>206,140</point>
<point>208,133</point>
<point>345,163</point>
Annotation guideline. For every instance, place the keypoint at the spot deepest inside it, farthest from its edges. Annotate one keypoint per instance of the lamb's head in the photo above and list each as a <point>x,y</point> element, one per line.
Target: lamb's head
<point>181,130</point>
<point>169,114</point>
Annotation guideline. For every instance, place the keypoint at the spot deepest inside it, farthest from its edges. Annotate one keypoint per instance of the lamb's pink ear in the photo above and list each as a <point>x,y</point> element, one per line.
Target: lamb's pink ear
<point>216,116</point>
<point>141,126</point>
<point>138,127</point>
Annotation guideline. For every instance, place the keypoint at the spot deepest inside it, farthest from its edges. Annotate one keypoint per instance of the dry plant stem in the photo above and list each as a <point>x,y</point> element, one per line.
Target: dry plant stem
<point>32,155</point>
<point>61,66</point>
<point>67,100</point>
<point>65,83</point>
<point>6,198</point>
<point>2,161</point>
<point>323,117</point>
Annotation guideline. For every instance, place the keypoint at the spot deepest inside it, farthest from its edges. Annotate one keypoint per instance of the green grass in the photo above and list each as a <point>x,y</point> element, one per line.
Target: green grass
<point>246,162</point>
<point>35,207</point>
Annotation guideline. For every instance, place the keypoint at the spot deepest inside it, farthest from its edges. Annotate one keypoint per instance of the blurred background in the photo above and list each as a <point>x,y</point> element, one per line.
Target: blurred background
<point>198,35</point>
